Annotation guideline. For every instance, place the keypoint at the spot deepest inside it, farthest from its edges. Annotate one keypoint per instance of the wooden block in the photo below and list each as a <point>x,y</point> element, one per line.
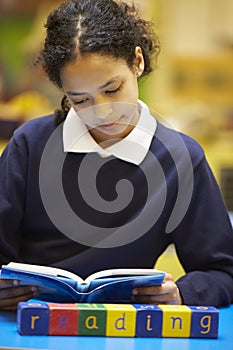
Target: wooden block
<point>205,321</point>
<point>63,319</point>
<point>176,321</point>
<point>117,320</point>
<point>148,320</point>
<point>33,318</point>
<point>121,320</point>
<point>91,319</point>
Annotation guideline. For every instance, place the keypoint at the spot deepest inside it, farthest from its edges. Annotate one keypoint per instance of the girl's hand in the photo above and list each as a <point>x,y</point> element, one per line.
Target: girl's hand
<point>167,293</point>
<point>11,293</point>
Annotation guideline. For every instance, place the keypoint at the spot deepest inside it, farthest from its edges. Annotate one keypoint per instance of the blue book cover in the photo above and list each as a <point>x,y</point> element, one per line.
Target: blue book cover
<point>61,286</point>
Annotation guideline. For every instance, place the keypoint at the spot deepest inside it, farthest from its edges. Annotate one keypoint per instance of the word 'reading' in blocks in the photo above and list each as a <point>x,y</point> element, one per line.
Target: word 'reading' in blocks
<point>118,320</point>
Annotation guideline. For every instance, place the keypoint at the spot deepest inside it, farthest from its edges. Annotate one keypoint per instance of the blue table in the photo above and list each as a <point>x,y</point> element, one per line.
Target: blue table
<point>10,338</point>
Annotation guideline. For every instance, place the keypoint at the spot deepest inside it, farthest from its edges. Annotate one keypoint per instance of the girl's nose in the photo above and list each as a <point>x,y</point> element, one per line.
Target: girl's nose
<point>102,110</point>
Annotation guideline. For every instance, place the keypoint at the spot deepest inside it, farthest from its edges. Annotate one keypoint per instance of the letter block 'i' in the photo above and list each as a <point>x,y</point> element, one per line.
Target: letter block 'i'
<point>33,318</point>
<point>176,321</point>
<point>148,321</point>
<point>91,319</point>
<point>63,319</point>
<point>204,322</point>
<point>121,320</point>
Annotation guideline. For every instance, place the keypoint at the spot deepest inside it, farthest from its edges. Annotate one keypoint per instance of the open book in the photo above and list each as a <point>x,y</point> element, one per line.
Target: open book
<point>58,285</point>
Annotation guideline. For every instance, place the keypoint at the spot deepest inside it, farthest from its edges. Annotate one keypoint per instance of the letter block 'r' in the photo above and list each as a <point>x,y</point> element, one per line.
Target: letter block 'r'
<point>33,318</point>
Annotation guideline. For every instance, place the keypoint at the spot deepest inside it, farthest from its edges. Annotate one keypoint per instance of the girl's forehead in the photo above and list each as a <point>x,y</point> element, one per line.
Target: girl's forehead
<point>94,67</point>
<point>94,60</point>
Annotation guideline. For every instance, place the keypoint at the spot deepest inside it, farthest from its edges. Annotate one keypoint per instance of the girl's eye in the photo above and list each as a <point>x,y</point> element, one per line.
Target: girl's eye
<point>113,91</point>
<point>80,101</point>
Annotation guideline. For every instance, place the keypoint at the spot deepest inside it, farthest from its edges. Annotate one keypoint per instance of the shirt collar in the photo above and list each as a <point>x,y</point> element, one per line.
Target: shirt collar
<point>133,148</point>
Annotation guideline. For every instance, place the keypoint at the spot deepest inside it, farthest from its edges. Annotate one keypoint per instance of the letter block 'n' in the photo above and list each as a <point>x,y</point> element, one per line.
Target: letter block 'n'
<point>176,321</point>
<point>204,322</point>
<point>91,319</point>
<point>33,318</point>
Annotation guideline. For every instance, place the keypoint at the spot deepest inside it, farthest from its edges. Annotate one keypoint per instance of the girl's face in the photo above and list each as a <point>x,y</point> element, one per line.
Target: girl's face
<point>104,93</point>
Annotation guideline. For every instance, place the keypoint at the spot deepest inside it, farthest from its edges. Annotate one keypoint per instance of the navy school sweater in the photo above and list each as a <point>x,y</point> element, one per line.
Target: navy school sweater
<point>73,211</point>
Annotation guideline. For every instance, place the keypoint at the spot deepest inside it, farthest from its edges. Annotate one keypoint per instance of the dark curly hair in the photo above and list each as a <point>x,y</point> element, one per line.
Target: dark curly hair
<point>107,27</point>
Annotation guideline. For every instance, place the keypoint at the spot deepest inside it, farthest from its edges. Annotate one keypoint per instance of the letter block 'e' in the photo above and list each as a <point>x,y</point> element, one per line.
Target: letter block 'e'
<point>63,319</point>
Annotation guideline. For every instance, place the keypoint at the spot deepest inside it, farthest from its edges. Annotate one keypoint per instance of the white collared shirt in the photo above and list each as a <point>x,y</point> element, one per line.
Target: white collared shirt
<point>133,148</point>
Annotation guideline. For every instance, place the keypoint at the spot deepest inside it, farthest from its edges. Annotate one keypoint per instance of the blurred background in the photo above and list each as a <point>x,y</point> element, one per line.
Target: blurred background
<point>191,89</point>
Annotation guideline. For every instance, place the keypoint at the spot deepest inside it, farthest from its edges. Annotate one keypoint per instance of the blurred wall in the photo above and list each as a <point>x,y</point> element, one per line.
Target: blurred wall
<point>192,88</point>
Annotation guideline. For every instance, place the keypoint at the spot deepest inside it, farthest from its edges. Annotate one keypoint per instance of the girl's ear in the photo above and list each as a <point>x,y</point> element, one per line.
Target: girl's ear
<point>139,64</point>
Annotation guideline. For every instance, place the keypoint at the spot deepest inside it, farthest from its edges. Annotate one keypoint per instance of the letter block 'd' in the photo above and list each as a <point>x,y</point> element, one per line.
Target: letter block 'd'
<point>121,320</point>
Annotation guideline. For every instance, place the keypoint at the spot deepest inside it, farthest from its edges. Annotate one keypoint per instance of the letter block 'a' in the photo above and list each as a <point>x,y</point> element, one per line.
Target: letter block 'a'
<point>204,322</point>
<point>33,318</point>
<point>121,320</point>
<point>63,319</point>
<point>91,319</point>
<point>149,321</point>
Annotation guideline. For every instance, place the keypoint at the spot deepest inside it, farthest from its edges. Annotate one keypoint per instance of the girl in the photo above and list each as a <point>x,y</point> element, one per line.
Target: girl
<point>102,184</point>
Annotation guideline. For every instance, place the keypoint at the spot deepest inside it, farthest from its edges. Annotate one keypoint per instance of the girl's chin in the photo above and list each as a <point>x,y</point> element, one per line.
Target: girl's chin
<point>110,134</point>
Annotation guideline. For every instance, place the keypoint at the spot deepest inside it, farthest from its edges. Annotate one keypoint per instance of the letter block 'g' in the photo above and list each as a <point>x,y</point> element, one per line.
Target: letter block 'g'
<point>204,322</point>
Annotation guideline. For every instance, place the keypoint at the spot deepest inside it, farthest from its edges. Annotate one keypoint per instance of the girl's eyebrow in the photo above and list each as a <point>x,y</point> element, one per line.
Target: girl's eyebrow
<point>113,80</point>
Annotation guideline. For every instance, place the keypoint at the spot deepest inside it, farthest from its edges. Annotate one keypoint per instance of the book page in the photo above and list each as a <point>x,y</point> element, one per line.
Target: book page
<point>122,272</point>
<point>44,270</point>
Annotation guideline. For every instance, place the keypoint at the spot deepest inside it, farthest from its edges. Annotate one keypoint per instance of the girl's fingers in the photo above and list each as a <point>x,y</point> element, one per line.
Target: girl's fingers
<point>11,296</point>
<point>9,292</point>
<point>9,308</point>
<point>155,299</point>
<point>13,302</point>
<point>8,283</point>
<point>148,291</point>
<point>167,293</point>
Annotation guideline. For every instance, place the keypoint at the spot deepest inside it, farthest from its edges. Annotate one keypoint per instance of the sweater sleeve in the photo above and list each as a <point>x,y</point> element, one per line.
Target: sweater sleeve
<point>204,244</point>
<point>13,177</point>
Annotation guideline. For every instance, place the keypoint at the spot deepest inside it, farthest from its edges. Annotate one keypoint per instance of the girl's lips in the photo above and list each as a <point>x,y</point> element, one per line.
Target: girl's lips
<point>112,125</point>
<point>108,126</point>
